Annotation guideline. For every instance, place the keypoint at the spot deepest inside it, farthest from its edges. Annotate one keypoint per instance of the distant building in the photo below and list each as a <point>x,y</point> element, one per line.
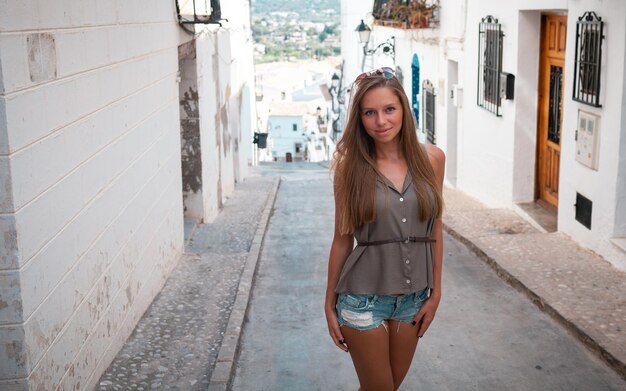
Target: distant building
<point>292,93</point>
<point>294,132</point>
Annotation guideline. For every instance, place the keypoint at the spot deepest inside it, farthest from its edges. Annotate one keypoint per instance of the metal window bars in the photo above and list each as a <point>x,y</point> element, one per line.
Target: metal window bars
<point>556,104</point>
<point>429,111</point>
<point>490,39</point>
<point>588,59</point>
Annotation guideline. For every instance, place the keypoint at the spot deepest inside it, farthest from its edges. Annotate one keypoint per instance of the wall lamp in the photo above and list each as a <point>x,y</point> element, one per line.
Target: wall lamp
<point>388,47</point>
<point>199,12</point>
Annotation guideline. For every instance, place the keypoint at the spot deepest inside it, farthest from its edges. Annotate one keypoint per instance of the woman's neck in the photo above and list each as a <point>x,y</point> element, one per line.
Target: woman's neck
<point>389,151</point>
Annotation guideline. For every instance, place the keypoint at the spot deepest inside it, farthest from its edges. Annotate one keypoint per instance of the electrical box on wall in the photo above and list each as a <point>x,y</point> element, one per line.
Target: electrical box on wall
<point>507,86</point>
<point>457,95</point>
<point>587,137</point>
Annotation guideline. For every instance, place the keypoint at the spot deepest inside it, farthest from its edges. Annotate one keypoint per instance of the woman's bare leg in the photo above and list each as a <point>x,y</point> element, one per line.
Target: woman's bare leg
<point>370,355</point>
<point>402,344</point>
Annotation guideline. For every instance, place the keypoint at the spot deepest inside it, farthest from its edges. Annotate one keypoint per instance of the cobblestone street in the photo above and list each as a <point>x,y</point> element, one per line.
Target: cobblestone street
<point>176,343</point>
<point>487,335</point>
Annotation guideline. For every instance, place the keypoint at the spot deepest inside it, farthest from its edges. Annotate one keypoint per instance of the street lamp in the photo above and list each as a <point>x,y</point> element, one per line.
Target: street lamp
<point>388,47</point>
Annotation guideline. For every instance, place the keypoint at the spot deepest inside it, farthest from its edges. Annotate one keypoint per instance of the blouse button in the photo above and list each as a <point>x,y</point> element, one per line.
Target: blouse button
<point>408,281</point>
<point>406,261</point>
<point>403,220</point>
<point>401,199</point>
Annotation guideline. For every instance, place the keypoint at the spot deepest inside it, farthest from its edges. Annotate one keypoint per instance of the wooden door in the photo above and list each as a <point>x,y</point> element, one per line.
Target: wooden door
<point>550,118</point>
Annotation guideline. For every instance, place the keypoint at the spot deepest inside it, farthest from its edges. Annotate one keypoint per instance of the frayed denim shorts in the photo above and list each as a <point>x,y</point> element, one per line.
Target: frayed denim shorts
<point>366,312</point>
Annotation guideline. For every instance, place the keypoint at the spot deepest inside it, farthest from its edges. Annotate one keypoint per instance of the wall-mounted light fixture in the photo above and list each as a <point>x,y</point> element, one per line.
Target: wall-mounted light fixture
<point>388,47</point>
<point>199,12</point>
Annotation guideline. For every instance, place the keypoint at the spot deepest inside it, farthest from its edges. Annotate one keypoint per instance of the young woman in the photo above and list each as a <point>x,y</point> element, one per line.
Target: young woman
<point>383,293</point>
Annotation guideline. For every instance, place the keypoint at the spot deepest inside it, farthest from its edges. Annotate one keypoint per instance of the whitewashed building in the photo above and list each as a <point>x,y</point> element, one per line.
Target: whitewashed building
<point>293,109</point>
<point>293,130</point>
<point>554,144</point>
<point>95,98</point>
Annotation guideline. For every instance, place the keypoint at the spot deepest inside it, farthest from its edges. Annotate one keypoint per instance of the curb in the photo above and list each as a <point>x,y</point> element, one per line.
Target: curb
<point>597,349</point>
<point>224,370</point>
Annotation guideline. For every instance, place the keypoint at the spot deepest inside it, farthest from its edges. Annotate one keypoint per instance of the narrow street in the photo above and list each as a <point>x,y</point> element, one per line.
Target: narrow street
<point>487,336</point>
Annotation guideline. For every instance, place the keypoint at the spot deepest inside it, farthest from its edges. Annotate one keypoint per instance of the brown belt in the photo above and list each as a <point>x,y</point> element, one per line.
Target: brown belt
<point>414,239</point>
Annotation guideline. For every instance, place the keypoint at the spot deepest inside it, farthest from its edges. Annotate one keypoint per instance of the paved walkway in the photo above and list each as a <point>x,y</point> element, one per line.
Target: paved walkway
<point>176,343</point>
<point>487,336</point>
<point>576,287</point>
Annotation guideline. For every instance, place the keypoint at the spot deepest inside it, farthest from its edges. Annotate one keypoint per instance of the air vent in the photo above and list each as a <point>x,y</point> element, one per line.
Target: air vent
<point>583,210</point>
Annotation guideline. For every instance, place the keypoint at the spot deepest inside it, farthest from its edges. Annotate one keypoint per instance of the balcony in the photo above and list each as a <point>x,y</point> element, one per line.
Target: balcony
<point>406,14</point>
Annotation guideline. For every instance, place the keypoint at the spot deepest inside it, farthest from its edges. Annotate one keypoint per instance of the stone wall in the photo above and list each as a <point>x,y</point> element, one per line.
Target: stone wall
<point>91,204</point>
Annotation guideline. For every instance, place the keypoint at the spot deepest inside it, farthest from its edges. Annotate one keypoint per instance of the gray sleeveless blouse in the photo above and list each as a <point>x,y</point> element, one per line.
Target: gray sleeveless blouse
<point>391,268</point>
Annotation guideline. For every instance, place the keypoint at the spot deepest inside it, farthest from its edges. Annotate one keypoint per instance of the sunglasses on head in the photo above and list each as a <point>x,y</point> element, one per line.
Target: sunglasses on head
<point>386,72</point>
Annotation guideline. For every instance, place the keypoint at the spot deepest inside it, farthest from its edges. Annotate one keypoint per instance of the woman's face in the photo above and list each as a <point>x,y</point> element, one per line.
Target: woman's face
<point>381,114</point>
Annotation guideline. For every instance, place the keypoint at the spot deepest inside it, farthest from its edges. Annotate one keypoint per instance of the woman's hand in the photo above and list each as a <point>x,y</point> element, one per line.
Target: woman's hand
<point>333,327</point>
<point>426,314</point>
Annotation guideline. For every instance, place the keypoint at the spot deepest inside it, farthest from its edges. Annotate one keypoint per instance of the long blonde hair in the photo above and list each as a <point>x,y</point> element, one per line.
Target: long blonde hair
<point>355,162</point>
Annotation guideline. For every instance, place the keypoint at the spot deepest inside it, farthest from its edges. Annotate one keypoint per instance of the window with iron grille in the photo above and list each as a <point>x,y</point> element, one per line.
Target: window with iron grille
<point>588,52</point>
<point>555,110</point>
<point>490,39</point>
<point>429,111</point>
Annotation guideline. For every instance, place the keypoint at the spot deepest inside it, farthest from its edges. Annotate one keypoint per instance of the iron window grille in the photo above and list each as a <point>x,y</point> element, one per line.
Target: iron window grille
<point>490,40</point>
<point>429,111</point>
<point>556,104</point>
<point>588,60</point>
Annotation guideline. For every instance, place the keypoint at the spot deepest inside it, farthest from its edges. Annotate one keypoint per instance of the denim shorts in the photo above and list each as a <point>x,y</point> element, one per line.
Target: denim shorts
<point>366,312</point>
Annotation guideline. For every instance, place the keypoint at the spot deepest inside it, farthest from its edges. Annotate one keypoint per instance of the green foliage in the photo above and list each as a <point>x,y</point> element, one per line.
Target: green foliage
<point>301,7</point>
<point>272,26</point>
<point>259,30</point>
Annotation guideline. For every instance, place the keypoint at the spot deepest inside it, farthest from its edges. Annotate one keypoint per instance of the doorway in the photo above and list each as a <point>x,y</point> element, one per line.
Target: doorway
<point>550,108</point>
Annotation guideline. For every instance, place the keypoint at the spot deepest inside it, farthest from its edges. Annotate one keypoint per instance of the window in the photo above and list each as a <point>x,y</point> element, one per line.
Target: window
<point>556,105</point>
<point>589,35</point>
<point>429,111</point>
<point>298,147</point>
<point>295,127</point>
<point>489,64</point>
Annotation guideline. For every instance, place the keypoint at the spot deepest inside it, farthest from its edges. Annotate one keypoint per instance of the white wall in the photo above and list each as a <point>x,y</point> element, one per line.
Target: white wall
<point>352,11</point>
<point>499,156</point>
<point>94,153</point>
<point>91,213</point>
<point>227,105</point>
<point>600,186</point>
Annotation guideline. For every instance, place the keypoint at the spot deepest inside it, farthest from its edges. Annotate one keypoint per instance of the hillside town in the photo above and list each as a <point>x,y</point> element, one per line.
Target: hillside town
<point>298,30</point>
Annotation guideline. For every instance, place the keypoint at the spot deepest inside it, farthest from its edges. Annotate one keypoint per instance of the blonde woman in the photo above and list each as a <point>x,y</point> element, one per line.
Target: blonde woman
<point>383,293</point>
